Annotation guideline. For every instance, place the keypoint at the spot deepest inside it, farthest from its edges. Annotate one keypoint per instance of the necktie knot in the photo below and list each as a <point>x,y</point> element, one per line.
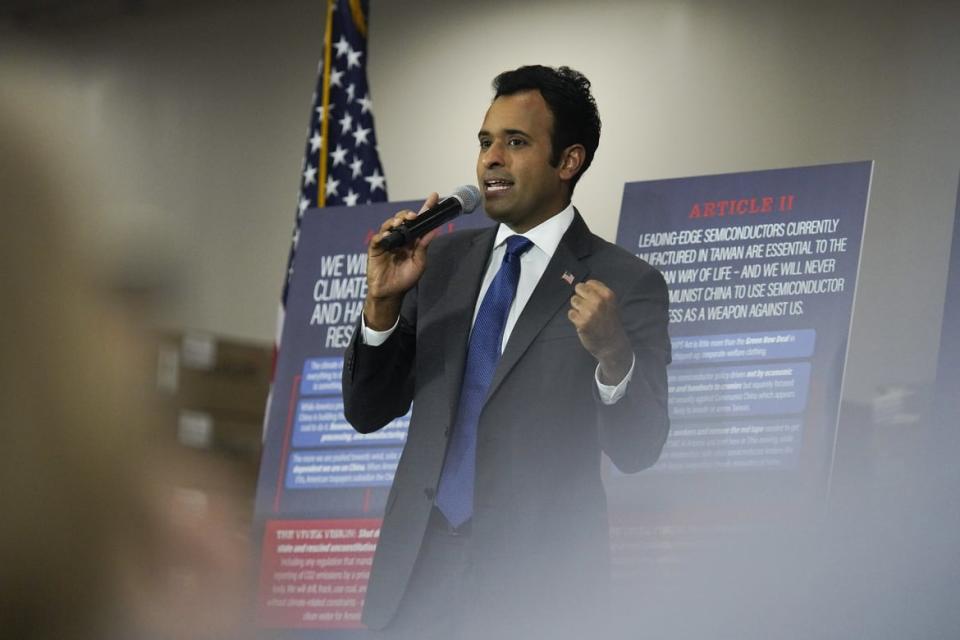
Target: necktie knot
<point>516,247</point>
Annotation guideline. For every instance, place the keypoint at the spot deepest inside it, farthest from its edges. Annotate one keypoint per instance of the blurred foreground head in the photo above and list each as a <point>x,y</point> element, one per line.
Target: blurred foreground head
<point>96,540</point>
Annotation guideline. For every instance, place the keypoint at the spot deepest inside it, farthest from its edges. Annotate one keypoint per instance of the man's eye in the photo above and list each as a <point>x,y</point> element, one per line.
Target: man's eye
<point>484,144</point>
<point>516,142</point>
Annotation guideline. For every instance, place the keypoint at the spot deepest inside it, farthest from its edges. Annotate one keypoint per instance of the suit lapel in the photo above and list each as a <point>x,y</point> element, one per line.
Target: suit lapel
<point>460,299</point>
<point>551,293</point>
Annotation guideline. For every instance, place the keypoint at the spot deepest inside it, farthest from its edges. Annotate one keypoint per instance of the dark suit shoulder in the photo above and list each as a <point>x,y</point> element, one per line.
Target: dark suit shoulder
<point>445,259</point>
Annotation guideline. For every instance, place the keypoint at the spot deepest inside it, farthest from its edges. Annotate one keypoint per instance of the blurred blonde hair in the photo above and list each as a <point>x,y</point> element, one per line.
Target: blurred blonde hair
<point>74,426</point>
<point>88,538</point>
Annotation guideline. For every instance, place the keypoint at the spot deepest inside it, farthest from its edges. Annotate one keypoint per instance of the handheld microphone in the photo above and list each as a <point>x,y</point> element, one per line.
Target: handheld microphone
<point>464,200</point>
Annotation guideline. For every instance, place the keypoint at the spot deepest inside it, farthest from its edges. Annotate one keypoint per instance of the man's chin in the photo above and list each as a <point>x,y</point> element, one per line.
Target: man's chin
<point>497,211</point>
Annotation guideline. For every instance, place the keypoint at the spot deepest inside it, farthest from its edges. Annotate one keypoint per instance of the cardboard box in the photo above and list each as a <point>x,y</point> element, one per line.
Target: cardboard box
<point>204,372</point>
<point>233,435</point>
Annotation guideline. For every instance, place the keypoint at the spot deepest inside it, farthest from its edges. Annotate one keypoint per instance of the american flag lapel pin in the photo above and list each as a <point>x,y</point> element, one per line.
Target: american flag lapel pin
<point>567,277</point>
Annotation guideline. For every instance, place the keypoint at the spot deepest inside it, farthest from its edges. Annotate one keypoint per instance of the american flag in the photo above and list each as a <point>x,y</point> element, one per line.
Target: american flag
<point>341,165</point>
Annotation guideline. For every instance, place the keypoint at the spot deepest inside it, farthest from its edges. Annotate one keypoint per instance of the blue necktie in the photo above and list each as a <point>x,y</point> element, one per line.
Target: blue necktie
<point>455,494</point>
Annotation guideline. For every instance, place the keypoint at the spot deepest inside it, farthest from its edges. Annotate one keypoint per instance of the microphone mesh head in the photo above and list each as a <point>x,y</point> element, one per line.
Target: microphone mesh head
<point>469,197</point>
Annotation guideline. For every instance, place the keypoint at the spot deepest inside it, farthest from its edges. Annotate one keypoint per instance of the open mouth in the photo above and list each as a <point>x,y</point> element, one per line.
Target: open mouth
<point>496,186</point>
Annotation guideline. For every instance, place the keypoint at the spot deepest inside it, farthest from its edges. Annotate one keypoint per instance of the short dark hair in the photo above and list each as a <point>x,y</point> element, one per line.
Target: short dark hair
<point>567,94</point>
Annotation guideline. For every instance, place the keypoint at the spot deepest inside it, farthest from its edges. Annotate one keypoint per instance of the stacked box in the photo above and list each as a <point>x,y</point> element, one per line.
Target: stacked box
<point>215,390</point>
<point>204,372</point>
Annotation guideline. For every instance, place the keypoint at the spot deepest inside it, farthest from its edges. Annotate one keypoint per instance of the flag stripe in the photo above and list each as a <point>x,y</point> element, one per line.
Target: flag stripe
<point>356,10</point>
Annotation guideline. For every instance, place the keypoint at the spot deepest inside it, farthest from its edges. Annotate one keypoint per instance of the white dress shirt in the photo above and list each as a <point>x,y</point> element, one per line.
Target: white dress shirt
<point>545,238</point>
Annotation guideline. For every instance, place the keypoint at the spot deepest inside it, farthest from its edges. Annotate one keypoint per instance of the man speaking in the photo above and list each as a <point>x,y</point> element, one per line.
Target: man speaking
<point>526,350</point>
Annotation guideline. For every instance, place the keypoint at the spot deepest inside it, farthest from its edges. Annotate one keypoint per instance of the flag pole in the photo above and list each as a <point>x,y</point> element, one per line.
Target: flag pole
<point>324,126</point>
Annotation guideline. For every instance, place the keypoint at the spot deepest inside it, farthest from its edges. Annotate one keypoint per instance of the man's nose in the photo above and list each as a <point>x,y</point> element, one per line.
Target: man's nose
<point>492,156</point>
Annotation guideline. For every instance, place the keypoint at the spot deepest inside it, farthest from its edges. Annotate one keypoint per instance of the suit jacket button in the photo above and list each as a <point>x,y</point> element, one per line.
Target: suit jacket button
<point>430,493</point>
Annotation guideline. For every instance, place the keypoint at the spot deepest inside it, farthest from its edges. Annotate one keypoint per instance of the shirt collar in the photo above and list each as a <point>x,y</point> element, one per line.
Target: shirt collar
<point>545,236</point>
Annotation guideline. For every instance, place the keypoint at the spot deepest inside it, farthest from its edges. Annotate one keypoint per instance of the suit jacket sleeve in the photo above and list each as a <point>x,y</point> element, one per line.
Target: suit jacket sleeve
<point>634,429</point>
<point>378,382</point>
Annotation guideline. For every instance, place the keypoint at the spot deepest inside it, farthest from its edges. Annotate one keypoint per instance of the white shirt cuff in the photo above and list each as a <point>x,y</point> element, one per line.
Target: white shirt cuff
<point>374,338</point>
<point>610,394</point>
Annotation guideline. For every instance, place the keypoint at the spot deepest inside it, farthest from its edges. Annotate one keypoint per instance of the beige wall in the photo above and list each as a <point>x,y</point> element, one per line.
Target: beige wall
<point>192,119</point>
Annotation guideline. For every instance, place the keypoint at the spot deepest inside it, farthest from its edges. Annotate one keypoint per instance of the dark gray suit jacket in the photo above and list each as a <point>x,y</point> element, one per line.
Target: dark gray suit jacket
<point>540,521</point>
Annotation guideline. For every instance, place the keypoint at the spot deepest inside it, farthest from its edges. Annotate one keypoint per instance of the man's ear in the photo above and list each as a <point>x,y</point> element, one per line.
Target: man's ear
<point>571,160</point>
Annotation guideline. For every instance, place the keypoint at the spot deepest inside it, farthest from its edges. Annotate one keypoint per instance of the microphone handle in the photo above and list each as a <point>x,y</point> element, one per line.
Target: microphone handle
<point>401,236</point>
